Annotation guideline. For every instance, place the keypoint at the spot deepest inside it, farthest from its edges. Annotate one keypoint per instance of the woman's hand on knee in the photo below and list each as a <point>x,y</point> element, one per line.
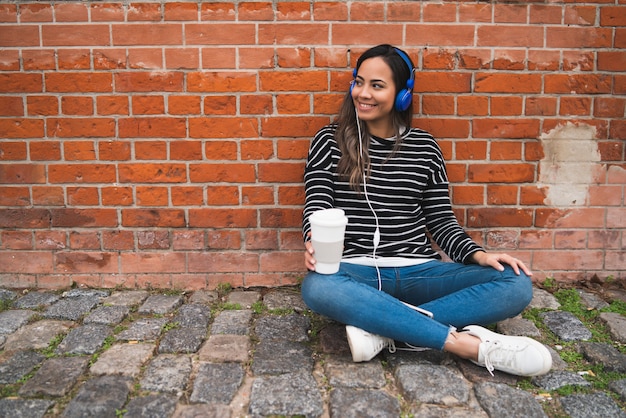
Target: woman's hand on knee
<point>496,260</point>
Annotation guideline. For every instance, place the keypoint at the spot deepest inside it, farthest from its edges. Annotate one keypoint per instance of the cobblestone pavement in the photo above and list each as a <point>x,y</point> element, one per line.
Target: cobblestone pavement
<point>258,353</point>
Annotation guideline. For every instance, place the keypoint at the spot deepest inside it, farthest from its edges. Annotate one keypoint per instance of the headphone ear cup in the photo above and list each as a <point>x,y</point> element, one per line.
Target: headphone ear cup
<point>403,100</point>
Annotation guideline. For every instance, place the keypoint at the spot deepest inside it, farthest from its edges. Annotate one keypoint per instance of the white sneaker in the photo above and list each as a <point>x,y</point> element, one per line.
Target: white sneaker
<point>521,356</point>
<point>365,346</point>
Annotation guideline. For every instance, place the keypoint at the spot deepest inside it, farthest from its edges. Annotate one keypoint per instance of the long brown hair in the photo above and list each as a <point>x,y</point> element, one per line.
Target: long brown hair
<point>354,163</point>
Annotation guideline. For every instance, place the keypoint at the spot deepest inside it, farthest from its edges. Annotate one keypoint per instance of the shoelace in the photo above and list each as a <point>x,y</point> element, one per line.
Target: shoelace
<point>493,349</point>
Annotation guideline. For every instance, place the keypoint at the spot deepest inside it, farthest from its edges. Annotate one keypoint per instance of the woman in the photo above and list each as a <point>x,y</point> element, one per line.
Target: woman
<point>391,182</point>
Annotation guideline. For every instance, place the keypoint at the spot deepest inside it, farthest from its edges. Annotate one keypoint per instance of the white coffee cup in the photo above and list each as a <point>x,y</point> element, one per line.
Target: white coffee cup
<point>328,228</point>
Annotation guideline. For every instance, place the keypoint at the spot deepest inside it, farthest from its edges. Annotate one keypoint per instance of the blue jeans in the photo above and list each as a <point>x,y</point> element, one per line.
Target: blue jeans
<point>456,294</point>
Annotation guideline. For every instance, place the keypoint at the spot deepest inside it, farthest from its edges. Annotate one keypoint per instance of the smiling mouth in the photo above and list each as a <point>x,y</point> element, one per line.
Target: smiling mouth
<point>366,105</point>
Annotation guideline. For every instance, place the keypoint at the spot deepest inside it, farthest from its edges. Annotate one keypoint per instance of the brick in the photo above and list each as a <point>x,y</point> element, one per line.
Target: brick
<point>220,105</point>
<point>615,260</point>
<point>8,13</point>
<point>118,240</point>
<point>216,82</point>
<point>570,239</point>
<point>604,239</point>
<point>152,262</point>
<point>501,173</point>
<point>436,82</point>
<point>281,261</point>
<point>371,34</point>
<point>509,150</point>
<point>257,195</point>
<point>499,217</point>
<point>81,127</point>
<point>24,218</point>
<point>261,240</point>
<point>77,105</point>
<point>186,150</point>
<point>19,36</point>
<point>182,58</point>
<point>292,81</point>
<point>114,150</point>
<point>611,150</point>
<point>50,240</point>
<point>188,240</point>
<point>75,35</point>
<point>506,106</point>
<point>479,12</point>
<point>467,195</point>
<point>545,14</point>
<point>22,173</point>
<point>9,60</point>
<point>84,240</point>
<point>286,126</point>
<point>569,218</point>
<point>109,59</point>
<point>187,196</point>
<point>615,217</point>
<point>330,10</point>
<point>112,105</point>
<point>223,127</point>
<point>280,172</point>
<point>29,262</point>
<point>63,82</point>
<point>223,262</point>
<point>439,12</point>
<point>507,83</point>
<point>565,259</point>
<point>229,173</point>
<point>16,240</point>
<point>74,59</point>
<point>145,12</point>
<point>126,82</point>
<point>445,128</point>
<point>117,196</point>
<point>181,11</point>
<point>148,105</point>
<point>217,11</point>
<point>578,37</point>
<point>505,128</point>
<point>224,240</point>
<point>151,196</point>
<point>82,173</point>
<point>541,106</point>
<point>609,107</point>
<point>48,196</point>
<point>85,218</point>
<point>107,12</point>
<point>222,195</point>
<point>256,149</point>
<point>12,151</point>
<point>575,106</point>
<point>281,218</point>
<point>220,34</point>
<point>256,11</point>
<point>183,105</point>
<point>20,83</point>
<point>174,218</point>
<point>150,150</point>
<point>35,12</point>
<point>154,126</point>
<point>220,218</point>
<point>438,34</point>
<point>14,196</point>
<point>292,149</point>
<point>82,196</point>
<point>502,194</point>
<point>255,104</point>
<point>152,173</point>
<point>612,16</point>
<point>471,150</point>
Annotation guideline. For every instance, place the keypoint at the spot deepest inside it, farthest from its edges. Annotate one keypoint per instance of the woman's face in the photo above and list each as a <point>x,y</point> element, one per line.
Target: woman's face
<point>374,94</point>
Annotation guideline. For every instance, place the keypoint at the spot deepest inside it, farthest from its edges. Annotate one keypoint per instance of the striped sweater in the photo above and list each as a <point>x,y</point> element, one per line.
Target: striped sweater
<point>408,192</point>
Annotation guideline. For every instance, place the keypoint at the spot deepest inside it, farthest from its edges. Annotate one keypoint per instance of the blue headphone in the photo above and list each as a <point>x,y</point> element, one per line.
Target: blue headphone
<point>404,96</point>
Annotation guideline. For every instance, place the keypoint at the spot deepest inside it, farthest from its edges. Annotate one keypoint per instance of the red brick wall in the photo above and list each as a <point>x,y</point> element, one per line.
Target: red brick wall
<point>162,143</point>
